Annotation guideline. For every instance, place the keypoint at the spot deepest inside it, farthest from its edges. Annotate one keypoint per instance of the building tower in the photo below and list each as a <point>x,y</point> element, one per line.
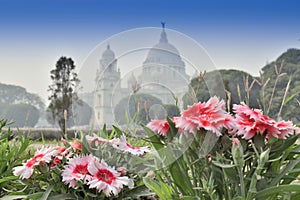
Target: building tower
<point>107,85</point>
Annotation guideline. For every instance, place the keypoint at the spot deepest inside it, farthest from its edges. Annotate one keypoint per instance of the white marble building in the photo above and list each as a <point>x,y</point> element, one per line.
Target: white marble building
<point>163,76</point>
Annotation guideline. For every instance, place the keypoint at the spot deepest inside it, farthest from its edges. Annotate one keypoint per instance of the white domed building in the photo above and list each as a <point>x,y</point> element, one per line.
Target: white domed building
<point>163,76</point>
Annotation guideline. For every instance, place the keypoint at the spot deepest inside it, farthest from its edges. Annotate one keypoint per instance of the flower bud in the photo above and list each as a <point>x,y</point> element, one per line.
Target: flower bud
<point>237,153</point>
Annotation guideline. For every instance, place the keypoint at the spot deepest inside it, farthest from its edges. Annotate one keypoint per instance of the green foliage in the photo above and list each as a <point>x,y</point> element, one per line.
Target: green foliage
<point>20,106</point>
<point>162,190</point>
<point>12,153</point>
<point>63,95</point>
<point>136,104</point>
<point>12,94</point>
<point>202,166</point>
<point>172,110</point>
<point>22,115</point>
<point>46,180</point>
<point>82,113</point>
<point>286,68</point>
<point>238,84</point>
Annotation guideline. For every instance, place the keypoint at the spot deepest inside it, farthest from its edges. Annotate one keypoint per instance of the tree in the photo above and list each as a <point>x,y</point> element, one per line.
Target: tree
<point>63,94</point>
<point>239,85</point>
<point>22,115</point>
<point>136,106</point>
<point>13,94</point>
<point>172,110</point>
<point>83,113</point>
<point>283,73</point>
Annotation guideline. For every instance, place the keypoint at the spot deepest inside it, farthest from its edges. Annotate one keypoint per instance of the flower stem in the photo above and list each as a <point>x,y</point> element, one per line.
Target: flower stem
<point>242,182</point>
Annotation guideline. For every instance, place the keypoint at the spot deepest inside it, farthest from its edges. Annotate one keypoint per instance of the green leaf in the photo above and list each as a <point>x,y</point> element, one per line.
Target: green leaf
<point>218,164</point>
<point>104,130</point>
<point>23,147</point>
<point>172,131</point>
<point>138,192</point>
<point>281,189</point>
<point>85,146</point>
<point>118,131</point>
<point>8,178</point>
<point>284,171</point>
<point>62,197</point>
<point>47,193</point>
<point>296,150</point>
<point>161,189</point>
<point>36,195</point>
<point>189,198</point>
<point>5,136</point>
<point>181,178</point>
<point>284,145</point>
<point>154,138</point>
<point>290,98</point>
<point>12,197</point>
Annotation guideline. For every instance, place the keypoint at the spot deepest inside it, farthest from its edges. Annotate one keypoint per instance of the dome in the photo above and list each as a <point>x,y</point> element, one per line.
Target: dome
<point>108,53</point>
<point>108,60</point>
<point>164,53</point>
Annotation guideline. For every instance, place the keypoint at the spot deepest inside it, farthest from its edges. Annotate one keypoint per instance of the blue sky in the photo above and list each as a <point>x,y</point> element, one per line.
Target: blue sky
<point>237,34</point>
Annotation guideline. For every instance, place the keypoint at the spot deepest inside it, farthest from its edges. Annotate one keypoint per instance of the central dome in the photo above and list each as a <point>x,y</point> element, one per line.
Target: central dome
<point>163,67</point>
<point>164,53</point>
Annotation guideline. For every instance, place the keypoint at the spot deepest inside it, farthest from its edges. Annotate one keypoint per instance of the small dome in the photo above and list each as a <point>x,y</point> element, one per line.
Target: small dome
<point>108,53</point>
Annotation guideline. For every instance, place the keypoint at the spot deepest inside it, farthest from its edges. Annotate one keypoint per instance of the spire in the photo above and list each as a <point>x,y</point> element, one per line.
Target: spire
<point>163,24</point>
<point>108,46</point>
<point>163,35</point>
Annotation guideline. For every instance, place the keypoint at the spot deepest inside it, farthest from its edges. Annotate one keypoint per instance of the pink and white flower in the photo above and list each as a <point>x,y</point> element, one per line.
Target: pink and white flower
<point>297,130</point>
<point>98,140</point>
<point>250,122</point>
<point>210,115</point>
<point>162,126</point>
<point>43,155</point>
<point>123,145</point>
<point>105,178</point>
<point>77,147</point>
<point>159,126</point>
<point>285,129</point>
<point>77,169</point>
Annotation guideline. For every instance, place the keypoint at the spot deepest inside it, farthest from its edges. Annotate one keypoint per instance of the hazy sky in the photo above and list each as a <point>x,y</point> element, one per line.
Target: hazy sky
<point>236,34</point>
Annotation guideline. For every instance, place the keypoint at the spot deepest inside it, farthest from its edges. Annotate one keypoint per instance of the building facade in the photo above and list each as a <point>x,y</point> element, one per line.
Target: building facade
<point>163,76</point>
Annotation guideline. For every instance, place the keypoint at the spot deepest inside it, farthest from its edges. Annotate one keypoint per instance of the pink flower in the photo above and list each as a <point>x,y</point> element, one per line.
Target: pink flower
<point>77,169</point>
<point>162,126</point>
<point>285,128</point>
<point>76,146</point>
<point>250,122</point>
<point>297,130</point>
<point>209,157</point>
<point>59,153</point>
<point>159,126</point>
<point>98,140</point>
<point>106,179</point>
<point>122,171</point>
<point>123,145</point>
<point>209,116</point>
<point>41,156</point>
